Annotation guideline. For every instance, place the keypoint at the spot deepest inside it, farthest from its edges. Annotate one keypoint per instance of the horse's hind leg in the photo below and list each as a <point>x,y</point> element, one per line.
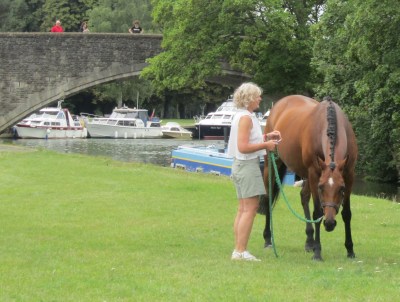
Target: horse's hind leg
<point>305,201</point>
<point>270,196</point>
<point>267,230</point>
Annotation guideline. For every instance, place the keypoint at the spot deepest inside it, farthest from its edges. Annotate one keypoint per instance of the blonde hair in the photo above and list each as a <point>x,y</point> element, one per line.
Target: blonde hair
<point>245,94</point>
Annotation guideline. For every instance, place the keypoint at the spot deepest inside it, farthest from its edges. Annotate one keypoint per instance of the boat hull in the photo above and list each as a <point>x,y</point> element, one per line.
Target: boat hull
<point>211,160</point>
<point>176,135</point>
<point>50,133</point>
<point>110,131</point>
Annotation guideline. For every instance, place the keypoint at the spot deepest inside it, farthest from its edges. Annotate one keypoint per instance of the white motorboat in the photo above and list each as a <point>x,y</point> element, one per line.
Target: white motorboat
<point>174,130</point>
<point>217,125</point>
<point>263,121</point>
<point>51,122</point>
<point>125,122</point>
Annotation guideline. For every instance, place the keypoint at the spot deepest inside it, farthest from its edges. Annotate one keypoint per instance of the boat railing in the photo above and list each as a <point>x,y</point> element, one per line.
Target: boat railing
<point>198,118</point>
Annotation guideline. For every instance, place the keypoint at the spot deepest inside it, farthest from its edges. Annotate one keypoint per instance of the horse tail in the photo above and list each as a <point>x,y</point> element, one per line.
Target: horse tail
<point>264,199</point>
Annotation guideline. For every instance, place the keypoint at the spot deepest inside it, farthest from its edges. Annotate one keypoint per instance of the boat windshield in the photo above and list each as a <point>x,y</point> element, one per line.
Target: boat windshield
<point>46,115</point>
<point>227,106</point>
<point>217,116</point>
<point>131,115</point>
<point>61,115</point>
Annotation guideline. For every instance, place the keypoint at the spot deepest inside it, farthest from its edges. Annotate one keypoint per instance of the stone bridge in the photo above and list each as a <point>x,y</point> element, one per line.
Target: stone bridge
<point>37,69</point>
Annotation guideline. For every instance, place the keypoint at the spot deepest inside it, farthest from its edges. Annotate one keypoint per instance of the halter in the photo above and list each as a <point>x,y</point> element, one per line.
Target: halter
<point>331,204</point>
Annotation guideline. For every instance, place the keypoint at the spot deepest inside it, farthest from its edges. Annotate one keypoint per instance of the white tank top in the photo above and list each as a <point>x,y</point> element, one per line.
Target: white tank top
<point>256,136</point>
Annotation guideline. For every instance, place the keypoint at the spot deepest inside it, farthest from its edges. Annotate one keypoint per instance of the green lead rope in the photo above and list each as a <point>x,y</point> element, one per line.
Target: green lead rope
<point>271,159</point>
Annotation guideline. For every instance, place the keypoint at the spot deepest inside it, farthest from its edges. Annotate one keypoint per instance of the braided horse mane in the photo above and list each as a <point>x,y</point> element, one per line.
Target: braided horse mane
<point>331,131</point>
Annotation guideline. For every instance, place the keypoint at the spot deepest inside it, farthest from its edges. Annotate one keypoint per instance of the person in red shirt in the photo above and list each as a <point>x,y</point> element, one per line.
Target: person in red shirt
<point>57,28</point>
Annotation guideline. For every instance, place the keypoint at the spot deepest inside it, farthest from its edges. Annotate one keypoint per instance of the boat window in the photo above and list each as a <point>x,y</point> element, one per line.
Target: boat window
<point>131,115</point>
<point>143,115</point>
<point>111,122</point>
<point>227,117</point>
<point>217,116</point>
<point>174,129</point>
<point>61,115</point>
<point>55,123</point>
<point>208,117</point>
<point>46,123</point>
<point>127,123</point>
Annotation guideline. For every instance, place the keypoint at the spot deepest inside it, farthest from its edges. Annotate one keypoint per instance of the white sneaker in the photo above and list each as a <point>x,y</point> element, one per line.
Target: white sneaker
<point>246,256</point>
<point>236,255</point>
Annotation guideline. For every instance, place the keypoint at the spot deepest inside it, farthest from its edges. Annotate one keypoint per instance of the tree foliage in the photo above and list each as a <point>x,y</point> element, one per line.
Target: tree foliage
<point>14,15</point>
<point>268,39</point>
<point>357,55</point>
<point>117,16</point>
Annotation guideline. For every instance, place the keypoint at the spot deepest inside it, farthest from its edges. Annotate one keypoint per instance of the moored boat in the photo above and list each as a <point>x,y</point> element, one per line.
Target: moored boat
<point>217,125</point>
<point>174,130</point>
<point>211,159</point>
<point>51,122</point>
<point>125,122</point>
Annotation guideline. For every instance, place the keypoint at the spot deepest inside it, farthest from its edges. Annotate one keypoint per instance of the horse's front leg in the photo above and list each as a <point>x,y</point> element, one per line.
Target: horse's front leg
<point>346,216</point>
<point>305,196</point>
<point>317,241</point>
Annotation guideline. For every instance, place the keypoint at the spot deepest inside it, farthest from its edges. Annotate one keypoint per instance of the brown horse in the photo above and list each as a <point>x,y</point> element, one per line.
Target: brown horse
<point>318,144</point>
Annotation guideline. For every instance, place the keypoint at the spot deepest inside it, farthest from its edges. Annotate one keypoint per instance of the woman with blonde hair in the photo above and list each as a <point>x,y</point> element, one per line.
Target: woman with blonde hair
<point>246,145</point>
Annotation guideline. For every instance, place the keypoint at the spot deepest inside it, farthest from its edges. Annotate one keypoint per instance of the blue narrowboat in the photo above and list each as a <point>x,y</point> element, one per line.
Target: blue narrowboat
<point>210,159</point>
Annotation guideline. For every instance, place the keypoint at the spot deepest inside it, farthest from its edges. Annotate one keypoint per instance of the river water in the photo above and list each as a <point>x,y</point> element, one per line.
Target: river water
<point>158,152</point>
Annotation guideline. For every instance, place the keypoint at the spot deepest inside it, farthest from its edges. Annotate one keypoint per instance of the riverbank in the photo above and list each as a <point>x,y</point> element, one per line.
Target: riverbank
<point>79,228</point>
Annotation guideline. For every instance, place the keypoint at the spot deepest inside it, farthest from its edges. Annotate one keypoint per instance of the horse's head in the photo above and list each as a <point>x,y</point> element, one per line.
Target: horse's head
<point>331,189</point>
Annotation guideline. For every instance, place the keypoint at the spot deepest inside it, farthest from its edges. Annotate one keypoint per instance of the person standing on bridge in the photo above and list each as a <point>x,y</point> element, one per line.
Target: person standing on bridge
<point>85,27</point>
<point>135,29</point>
<point>57,28</point>
<point>246,145</point>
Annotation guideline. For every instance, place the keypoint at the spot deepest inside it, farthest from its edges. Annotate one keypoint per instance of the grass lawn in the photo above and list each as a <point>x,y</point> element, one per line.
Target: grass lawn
<point>182,122</point>
<point>78,228</point>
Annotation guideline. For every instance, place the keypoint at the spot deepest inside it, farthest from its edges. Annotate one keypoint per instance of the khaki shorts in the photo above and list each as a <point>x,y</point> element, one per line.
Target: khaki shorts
<point>247,177</point>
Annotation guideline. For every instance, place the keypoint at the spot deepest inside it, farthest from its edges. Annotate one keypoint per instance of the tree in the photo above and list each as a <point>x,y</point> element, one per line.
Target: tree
<point>357,54</point>
<point>71,13</point>
<point>117,16</point>
<point>263,38</point>
<point>13,15</point>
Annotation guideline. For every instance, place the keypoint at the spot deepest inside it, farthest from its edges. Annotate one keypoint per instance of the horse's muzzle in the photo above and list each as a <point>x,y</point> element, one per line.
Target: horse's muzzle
<point>329,225</point>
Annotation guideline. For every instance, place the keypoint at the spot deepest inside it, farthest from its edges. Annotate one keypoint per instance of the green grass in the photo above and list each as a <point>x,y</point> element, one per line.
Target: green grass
<point>77,228</point>
<point>182,122</point>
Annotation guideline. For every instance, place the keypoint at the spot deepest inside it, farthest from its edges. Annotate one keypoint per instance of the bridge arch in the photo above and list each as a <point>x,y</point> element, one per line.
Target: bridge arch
<point>37,69</point>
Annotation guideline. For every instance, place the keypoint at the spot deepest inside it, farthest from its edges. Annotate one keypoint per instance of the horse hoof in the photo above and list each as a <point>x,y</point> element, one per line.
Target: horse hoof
<point>317,258</point>
<point>267,245</point>
<point>308,248</point>
<point>351,255</point>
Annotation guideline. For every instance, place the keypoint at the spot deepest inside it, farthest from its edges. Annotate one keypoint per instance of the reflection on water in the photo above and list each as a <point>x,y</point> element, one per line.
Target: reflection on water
<point>154,151</point>
<point>158,152</point>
